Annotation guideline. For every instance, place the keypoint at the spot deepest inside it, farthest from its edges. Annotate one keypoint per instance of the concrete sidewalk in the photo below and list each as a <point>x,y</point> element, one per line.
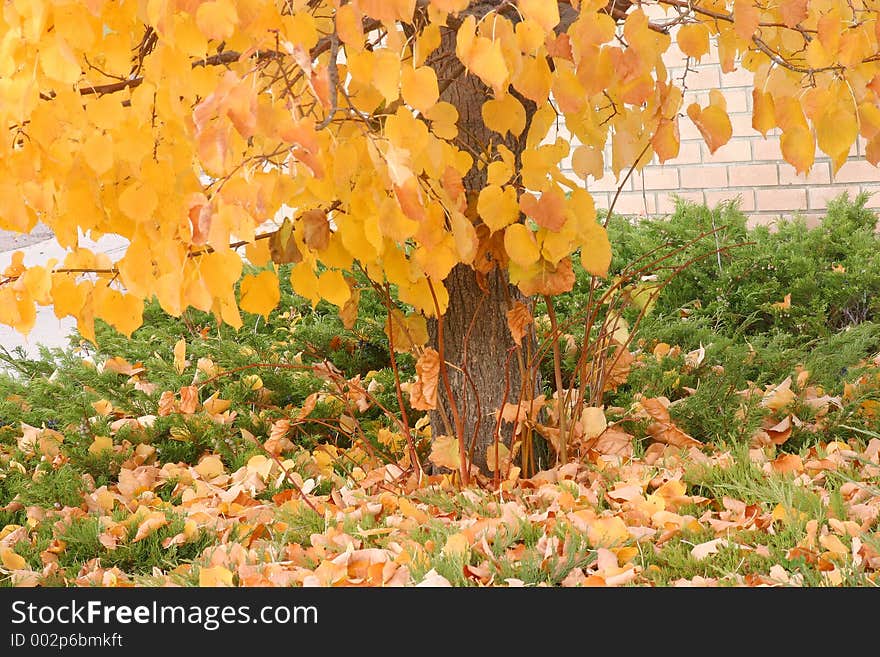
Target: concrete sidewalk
<point>38,247</point>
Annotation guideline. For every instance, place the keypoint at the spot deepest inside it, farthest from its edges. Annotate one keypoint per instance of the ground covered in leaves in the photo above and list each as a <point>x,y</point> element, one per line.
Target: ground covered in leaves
<point>110,509</point>
<point>275,457</point>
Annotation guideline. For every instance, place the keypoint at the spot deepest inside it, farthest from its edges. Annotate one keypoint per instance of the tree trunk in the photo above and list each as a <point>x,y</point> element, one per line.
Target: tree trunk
<point>483,369</point>
<point>476,339</point>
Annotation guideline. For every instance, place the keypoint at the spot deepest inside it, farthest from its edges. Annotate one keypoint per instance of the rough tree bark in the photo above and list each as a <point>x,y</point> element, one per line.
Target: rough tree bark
<point>476,340</point>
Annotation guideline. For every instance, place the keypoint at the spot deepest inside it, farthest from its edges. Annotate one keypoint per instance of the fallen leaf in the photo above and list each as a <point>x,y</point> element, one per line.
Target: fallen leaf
<point>593,422</point>
<point>703,550</point>
<point>778,397</point>
<point>607,532</point>
<point>101,444</point>
<point>180,356</point>
<point>215,576</point>
<point>11,560</point>
<point>433,579</point>
<point>785,304</point>
<point>788,463</point>
<point>457,545</point>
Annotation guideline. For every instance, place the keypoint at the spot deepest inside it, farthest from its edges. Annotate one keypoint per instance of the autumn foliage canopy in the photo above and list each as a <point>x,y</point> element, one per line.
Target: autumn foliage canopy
<point>318,133</point>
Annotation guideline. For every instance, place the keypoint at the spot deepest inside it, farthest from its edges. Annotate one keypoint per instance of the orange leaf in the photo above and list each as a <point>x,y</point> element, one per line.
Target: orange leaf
<point>666,141</point>
<point>793,11</point>
<point>745,18</point>
<point>547,211</point>
<point>151,523</point>
<point>423,393</point>
<point>788,463</point>
<point>713,123</point>
<point>215,576</point>
<point>670,434</point>
<point>763,114</point>
<point>518,319</point>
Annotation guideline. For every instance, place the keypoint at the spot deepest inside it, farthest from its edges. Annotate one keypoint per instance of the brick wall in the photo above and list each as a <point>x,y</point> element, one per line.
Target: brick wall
<point>748,166</point>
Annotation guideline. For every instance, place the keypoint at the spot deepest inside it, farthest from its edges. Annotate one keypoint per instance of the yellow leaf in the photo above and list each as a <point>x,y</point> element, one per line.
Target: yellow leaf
<point>406,332</point>
<point>798,148</point>
<point>304,282</point>
<point>456,545</point>
<point>154,520</point>
<point>419,87</point>
<point>215,576</point>
<point>410,510</point>
<point>588,161</point>
<point>483,57</point>
<point>252,381</point>
<point>503,456</point>
<point>209,467</point>
<point>666,141</point>
<point>443,117</point>
<point>106,113</point>
<point>122,311</point>
<point>869,119</point>
<point>693,39</point>
<point>217,19</point>
<point>38,282</point>
<point>101,444</point>
<point>498,206</point>
<point>504,114</point>
<point>444,452</point>
<point>260,293</point>
<point>180,355</point>
<point>833,544</point>
<point>545,14</point>
<point>98,152</point>
<point>58,60</point>
<point>138,202</point>
<point>607,532</point>
<point>386,74</point>
<point>498,173</point>
<point>11,560</point>
<point>763,112</point>
<point>349,26</point>
<point>836,131</point>
<point>534,78</point>
<point>596,249</point>
<point>213,405</point>
<point>778,397</point>
<point>333,287</point>
<point>257,253</point>
<point>520,245</point>
<point>793,11</point>
<point>300,29</point>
